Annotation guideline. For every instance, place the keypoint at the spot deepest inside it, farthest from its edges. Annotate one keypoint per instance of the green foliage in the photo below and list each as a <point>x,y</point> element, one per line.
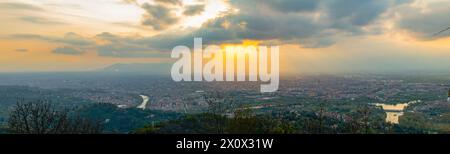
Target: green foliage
<point>414,123</point>
<point>119,120</point>
<point>245,122</point>
<point>365,120</point>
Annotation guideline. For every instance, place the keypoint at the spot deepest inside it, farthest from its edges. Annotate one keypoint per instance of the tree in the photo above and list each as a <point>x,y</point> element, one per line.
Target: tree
<point>364,119</point>
<point>321,118</point>
<point>243,122</point>
<point>219,106</point>
<point>41,117</point>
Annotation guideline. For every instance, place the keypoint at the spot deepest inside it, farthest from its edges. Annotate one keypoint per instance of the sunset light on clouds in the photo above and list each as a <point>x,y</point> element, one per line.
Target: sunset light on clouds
<point>225,75</point>
<point>314,35</point>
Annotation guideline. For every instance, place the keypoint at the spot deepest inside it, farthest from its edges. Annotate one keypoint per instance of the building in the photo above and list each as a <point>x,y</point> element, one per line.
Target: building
<point>448,96</point>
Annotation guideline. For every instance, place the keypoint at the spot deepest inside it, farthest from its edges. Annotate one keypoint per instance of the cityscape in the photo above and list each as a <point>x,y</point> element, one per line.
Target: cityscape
<point>224,67</point>
<point>403,103</point>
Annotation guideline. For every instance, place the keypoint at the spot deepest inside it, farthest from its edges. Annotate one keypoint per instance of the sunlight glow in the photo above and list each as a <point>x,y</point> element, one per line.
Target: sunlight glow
<point>213,9</point>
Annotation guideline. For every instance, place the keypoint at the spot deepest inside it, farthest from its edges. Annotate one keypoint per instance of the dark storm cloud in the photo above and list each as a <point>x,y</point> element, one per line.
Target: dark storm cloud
<point>285,6</point>
<point>441,31</point>
<point>287,21</point>
<point>158,16</point>
<point>68,50</point>
<point>294,6</point>
<point>425,25</point>
<point>289,28</point>
<point>191,10</point>
<point>277,21</point>
<point>355,12</point>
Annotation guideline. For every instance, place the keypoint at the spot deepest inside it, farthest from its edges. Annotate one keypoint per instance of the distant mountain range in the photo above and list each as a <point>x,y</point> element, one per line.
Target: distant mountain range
<point>150,68</point>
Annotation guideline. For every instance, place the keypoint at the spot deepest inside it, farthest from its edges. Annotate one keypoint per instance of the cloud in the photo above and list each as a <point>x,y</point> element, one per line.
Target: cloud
<point>309,23</point>
<point>288,6</point>
<point>192,10</point>
<point>355,12</point>
<point>40,20</point>
<point>68,50</point>
<point>69,39</point>
<point>126,52</point>
<point>162,14</point>
<point>171,2</point>
<point>109,45</point>
<point>425,24</point>
<point>160,2</point>
<point>130,2</point>
<point>122,50</point>
<point>21,50</point>
<point>159,17</point>
<point>441,31</point>
<point>284,6</point>
<point>125,47</point>
<point>20,6</point>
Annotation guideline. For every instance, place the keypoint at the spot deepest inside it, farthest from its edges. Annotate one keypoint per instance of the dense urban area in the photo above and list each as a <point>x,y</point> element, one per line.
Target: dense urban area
<point>311,104</point>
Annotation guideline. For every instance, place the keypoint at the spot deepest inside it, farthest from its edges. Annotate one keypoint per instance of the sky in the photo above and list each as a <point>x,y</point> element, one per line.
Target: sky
<point>325,36</point>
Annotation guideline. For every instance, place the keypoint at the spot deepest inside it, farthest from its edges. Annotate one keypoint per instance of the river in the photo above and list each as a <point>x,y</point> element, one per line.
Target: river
<point>394,111</point>
<point>144,102</point>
